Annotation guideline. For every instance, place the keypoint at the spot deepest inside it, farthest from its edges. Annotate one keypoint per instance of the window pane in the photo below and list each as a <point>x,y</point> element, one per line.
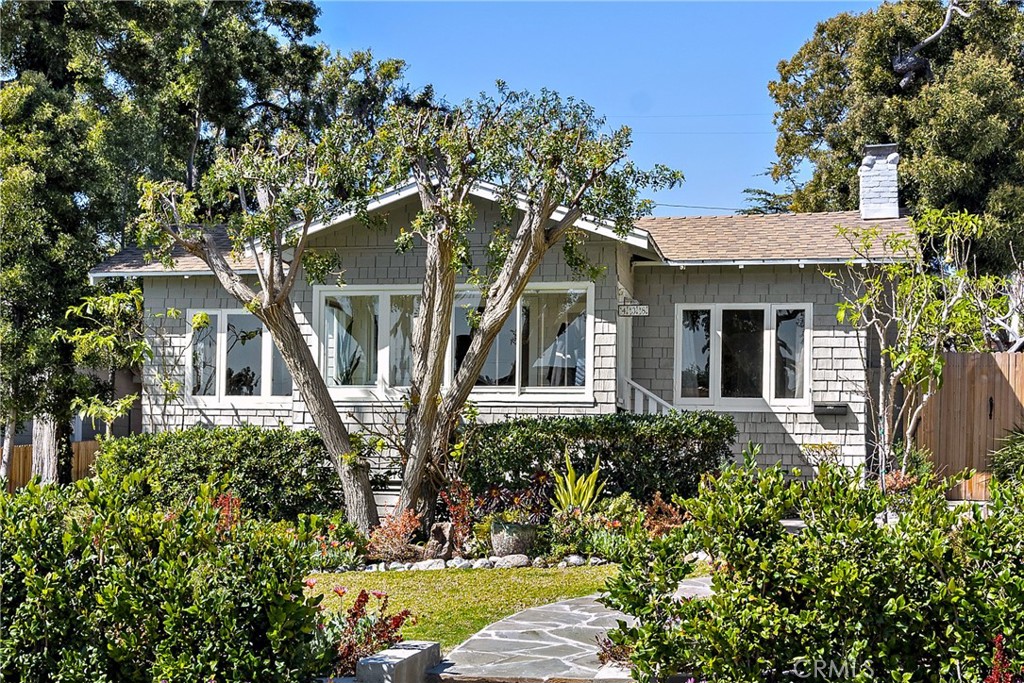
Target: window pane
<point>742,353</point>
<point>500,367</point>
<point>280,377</point>
<point>244,343</point>
<point>789,353</point>
<point>351,335</point>
<point>695,338</point>
<point>404,309</point>
<point>204,359</point>
<point>554,339</point>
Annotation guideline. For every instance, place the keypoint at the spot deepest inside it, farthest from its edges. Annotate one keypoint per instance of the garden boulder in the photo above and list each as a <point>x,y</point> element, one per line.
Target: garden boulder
<point>441,545</point>
<point>512,561</point>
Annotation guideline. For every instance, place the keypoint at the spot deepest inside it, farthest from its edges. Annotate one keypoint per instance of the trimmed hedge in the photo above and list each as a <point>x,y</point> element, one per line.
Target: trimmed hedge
<point>922,598</point>
<point>640,454</point>
<point>278,473</point>
<point>100,583</point>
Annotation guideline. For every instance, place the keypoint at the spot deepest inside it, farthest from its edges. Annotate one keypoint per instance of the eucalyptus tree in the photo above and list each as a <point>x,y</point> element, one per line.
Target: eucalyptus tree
<point>552,166</point>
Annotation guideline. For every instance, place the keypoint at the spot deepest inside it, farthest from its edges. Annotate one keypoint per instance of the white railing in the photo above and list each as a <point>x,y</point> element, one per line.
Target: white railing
<point>637,399</point>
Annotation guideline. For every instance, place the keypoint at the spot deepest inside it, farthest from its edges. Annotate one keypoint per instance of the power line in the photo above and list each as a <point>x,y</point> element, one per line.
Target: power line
<point>680,116</point>
<point>698,206</point>
<point>704,132</point>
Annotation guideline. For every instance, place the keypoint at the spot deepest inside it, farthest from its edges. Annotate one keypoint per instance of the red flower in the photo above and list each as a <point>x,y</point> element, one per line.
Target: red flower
<point>310,583</point>
<point>379,594</point>
<point>340,591</point>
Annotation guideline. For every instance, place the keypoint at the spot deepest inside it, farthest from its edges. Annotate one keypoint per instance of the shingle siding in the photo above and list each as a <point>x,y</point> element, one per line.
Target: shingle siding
<point>368,257</point>
<point>837,373</point>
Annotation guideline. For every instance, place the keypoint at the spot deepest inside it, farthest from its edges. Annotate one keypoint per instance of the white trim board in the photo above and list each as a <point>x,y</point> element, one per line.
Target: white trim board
<point>513,395</point>
<point>766,403</point>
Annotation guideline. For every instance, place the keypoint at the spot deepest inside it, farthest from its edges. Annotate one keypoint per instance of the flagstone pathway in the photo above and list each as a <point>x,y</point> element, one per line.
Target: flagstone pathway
<point>554,643</point>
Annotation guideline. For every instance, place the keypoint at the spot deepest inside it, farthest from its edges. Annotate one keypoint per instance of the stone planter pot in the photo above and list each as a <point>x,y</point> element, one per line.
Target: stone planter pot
<point>509,538</point>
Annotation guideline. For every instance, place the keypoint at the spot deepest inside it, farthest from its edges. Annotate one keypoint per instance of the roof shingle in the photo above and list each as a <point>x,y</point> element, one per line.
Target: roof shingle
<point>807,237</point>
<point>132,261</point>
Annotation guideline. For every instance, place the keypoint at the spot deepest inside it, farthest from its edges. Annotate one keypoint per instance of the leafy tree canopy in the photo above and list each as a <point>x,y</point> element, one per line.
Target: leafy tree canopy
<point>959,128</point>
<point>94,95</point>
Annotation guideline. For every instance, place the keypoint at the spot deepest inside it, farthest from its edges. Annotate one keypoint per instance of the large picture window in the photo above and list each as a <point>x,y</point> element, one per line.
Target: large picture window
<point>351,339</point>
<point>366,336</point>
<point>743,356</point>
<point>233,356</point>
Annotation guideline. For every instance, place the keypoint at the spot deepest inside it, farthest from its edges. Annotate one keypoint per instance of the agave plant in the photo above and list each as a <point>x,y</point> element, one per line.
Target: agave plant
<point>579,493</point>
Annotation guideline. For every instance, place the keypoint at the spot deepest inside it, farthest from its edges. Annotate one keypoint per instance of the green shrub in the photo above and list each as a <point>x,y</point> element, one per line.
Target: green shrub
<point>921,599</point>
<point>1008,461</point>
<point>102,584</point>
<point>278,473</point>
<point>639,454</point>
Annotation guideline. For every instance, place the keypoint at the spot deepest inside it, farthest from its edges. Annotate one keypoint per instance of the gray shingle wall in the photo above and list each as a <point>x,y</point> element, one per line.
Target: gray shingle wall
<point>837,368</point>
<point>368,258</point>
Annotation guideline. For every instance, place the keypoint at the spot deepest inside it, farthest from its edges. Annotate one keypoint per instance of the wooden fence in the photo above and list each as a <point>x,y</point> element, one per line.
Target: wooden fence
<point>981,399</point>
<point>20,470</point>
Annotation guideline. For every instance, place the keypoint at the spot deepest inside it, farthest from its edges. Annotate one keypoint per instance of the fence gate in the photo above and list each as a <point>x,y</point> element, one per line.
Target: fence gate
<point>981,399</point>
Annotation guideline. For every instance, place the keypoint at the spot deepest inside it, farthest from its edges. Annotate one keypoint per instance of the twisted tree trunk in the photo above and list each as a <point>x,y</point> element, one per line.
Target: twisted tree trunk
<point>354,471</point>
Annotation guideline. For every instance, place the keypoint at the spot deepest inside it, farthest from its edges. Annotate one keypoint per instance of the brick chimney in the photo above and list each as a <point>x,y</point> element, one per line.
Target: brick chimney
<point>879,194</point>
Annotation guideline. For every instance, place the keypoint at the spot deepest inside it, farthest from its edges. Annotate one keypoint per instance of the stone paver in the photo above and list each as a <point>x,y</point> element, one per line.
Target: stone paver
<point>548,643</point>
<point>552,643</point>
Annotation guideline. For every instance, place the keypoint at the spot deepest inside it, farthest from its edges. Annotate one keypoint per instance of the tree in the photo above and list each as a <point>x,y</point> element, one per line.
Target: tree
<point>912,310</point>
<point>267,194</point>
<point>93,95</point>
<point>958,123</point>
<point>110,336</point>
<point>47,245</point>
<point>552,167</point>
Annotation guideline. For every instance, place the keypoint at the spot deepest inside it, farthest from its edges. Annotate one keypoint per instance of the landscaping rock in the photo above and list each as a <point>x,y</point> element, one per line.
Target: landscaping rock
<point>483,563</point>
<point>429,565</point>
<point>459,563</point>
<point>597,562</point>
<point>395,566</point>
<point>441,544</point>
<point>512,562</point>
<point>563,564</point>
<point>370,568</point>
<point>575,561</point>
<point>494,559</point>
<point>539,562</point>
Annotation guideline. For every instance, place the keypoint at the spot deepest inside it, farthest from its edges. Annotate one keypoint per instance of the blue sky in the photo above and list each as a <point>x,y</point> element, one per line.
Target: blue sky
<point>690,78</point>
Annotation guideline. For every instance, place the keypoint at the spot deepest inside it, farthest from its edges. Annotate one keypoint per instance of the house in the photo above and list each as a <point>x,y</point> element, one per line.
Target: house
<point>727,313</point>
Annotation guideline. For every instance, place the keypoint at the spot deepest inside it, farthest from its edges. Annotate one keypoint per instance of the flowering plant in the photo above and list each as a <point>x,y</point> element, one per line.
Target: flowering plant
<point>459,501</point>
<point>338,544</point>
<point>528,505</point>
<point>363,629</point>
<point>390,541</point>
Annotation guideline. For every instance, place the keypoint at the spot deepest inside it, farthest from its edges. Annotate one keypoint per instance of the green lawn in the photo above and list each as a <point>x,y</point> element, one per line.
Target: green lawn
<point>453,604</point>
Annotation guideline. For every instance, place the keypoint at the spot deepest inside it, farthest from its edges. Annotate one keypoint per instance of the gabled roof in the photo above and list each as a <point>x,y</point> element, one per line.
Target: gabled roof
<point>761,239</point>
<point>489,192</point>
<point>132,262</point>
<point>790,238</point>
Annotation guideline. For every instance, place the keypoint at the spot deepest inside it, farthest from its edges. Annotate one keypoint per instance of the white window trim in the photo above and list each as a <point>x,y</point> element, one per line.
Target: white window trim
<point>382,391</point>
<point>219,399</point>
<point>767,402</point>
